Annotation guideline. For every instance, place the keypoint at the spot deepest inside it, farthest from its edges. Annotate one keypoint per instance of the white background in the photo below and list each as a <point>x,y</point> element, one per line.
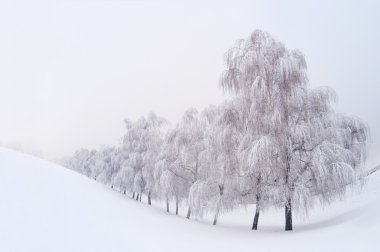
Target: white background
<point>71,71</point>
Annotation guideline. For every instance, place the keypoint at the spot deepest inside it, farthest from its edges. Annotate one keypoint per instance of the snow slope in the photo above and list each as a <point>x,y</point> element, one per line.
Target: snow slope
<point>45,207</point>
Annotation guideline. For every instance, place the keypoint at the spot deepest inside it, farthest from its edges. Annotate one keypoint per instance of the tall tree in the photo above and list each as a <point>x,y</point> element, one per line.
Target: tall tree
<point>272,81</point>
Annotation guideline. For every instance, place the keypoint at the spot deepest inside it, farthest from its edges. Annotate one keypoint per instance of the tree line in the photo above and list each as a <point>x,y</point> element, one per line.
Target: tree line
<point>274,142</point>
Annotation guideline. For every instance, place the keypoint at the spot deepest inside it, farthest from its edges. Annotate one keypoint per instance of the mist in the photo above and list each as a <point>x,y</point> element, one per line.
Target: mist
<point>71,71</point>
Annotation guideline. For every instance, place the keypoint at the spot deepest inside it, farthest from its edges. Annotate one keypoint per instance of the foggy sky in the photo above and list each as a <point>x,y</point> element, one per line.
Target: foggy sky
<point>71,71</point>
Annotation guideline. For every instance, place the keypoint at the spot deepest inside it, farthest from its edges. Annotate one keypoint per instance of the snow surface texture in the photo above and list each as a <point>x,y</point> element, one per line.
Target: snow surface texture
<point>45,207</point>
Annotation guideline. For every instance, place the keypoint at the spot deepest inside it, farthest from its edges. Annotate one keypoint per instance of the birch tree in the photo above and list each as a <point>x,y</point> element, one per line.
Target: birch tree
<point>295,122</point>
<point>187,140</point>
<point>142,143</point>
<point>174,182</point>
<point>215,190</point>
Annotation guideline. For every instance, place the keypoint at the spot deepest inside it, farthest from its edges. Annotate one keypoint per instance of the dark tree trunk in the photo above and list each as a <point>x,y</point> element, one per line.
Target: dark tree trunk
<point>140,196</point>
<point>176,205</point>
<point>221,190</point>
<point>188,213</point>
<point>256,219</point>
<point>133,195</point>
<point>167,205</point>
<point>215,218</point>
<point>216,215</point>
<point>149,199</point>
<point>257,214</point>
<point>288,215</point>
<point>288,203</point>
<point>125,191</point>
<point>137,197</point>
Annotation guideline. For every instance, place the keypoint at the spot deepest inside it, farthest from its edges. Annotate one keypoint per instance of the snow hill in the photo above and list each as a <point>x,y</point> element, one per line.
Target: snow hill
<point>45,207</point>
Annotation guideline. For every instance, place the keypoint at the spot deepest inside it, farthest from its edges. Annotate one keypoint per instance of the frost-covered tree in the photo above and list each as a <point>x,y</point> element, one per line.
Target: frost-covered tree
<point>180,153</point>
<point>258,155</point>
<point>328,151</point>
<point>314,150</point>
<point>83,161</point>
<point>257,168</point>
<point>154,139</point>
<point>215,190</point>
<point>141,145</point>
<point>189,141</point>
<point>172,181</point>
<point>164,183</point>
<point>107,165</point>
<point>123,179</point>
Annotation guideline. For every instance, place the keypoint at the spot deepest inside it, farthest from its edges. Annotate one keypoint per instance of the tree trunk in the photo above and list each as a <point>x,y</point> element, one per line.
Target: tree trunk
<point>176,205</point>
<point>188,213</point>
<point>288,203</point>
<point>288,215</point>
<point>149,199</point>
<point>256,219</point>
<point>221,190</point>
<point>137,197</point>
<point>216,214</point>
<point>257,214</point>
<point>140,196</point>
<point>167,205</point>
<point>125,191</point>
<point>133,195</point>
<point>216,217</point>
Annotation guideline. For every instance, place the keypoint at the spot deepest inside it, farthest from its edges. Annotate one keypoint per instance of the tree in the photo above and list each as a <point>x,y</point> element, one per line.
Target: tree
<point>215,190</point>
<point>165,182</point>
<point>257,162</point>
<point>300,129</point>
<point>82,161</point>
<point>188,141</point>
<point>123,179</point>
<point>141,144</point>
<point>154,141</point>
<point>173,182</point>
<point>107,165</point>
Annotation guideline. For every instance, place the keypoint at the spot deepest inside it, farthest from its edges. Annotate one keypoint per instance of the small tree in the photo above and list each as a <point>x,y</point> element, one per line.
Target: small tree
<point>82,161</point>
<point>187,141</point>
<point>107,165</point>
<point>141,145</point>
<point>176,184</point>
<point>214,191</point>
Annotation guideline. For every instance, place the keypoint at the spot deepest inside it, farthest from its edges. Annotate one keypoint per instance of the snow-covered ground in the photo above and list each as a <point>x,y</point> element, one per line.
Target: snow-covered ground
<point>45,207</point>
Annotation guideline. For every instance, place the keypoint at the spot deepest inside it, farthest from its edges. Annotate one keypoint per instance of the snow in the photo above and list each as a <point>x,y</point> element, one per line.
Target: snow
<point>45,207</point>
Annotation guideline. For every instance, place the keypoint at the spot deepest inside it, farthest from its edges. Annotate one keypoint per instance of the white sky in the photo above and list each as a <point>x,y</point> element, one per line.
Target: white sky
<point>71,71</point>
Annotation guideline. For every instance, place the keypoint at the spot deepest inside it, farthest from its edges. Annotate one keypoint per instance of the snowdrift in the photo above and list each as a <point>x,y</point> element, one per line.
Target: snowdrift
<point>45,207</point>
